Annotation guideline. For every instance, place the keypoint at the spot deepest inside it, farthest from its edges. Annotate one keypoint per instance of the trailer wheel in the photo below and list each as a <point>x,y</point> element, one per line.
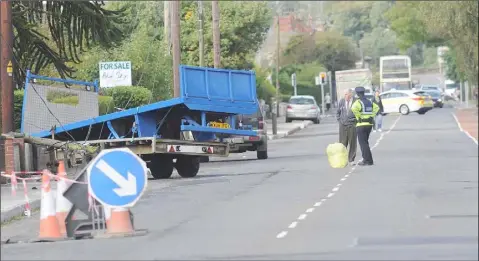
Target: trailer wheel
<point>187,166</point>
<point>161,166</point>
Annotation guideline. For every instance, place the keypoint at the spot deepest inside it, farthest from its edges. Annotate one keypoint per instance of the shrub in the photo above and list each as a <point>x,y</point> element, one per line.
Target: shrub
<point>105,105</point>
<point>126,97</point>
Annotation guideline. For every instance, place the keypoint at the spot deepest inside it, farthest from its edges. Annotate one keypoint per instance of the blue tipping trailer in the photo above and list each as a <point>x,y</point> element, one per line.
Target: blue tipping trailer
<point>160,132</point>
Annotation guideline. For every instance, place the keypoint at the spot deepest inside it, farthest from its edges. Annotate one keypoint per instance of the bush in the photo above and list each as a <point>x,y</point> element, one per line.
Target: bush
<point>126,97</point>
<point>17,109</point>
<point>105,105</point>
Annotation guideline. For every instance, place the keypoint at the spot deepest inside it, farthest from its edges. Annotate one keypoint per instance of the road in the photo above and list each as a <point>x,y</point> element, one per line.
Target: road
<point>419,201</point>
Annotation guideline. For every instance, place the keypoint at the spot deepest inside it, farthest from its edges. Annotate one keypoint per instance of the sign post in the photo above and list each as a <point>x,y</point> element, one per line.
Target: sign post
<point>322,79</point>
<point>114,74</point>
<point>10,68</point>
<point>293,82</point>
<point>117,178</point>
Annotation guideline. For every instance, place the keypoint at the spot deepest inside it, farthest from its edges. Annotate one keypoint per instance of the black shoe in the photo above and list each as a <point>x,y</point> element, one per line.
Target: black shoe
<point>362,163</point>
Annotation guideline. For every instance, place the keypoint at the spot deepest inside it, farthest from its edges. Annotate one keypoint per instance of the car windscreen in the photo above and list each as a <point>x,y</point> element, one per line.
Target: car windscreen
<point>430,88</point>
<point>422,94</point>
<point>434,94</point>
<point>301,101</point>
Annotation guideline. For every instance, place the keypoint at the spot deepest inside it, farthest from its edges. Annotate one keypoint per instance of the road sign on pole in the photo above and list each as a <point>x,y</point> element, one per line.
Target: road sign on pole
<point>117,177</point>
<point>293,83</point>
<point>322,76</point>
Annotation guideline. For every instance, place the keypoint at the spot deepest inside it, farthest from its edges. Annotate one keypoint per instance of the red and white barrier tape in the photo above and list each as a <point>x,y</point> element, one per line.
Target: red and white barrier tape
<point>14,183</point>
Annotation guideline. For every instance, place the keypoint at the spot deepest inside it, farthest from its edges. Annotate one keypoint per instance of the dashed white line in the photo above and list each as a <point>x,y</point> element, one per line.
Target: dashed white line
<point>462,130</point>
<point>317,204</point>
<point>302,216</point>
<point>282,234</point>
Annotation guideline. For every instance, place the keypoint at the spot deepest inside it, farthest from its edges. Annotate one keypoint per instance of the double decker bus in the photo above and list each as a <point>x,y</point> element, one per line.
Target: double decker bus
<point>395,72</point>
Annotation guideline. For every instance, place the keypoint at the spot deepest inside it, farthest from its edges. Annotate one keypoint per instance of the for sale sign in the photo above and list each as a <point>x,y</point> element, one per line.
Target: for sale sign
<point>114,74</point>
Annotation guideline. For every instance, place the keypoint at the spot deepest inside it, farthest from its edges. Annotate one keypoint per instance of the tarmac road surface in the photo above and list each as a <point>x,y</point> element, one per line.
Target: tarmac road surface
<point>419,201</point>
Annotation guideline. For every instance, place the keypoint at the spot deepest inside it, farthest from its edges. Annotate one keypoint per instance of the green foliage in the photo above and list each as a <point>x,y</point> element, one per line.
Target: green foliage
<point>264,89</point>
<point>380,42</point>
<point>330,49</point>
<point>351,18</point>
<point>62,97</point>
<point>105,104</point>
<point>126,97</point>
<point>17,109</point>
<point>72,26</point>
<point>243,28</point>
<point>452,72</point>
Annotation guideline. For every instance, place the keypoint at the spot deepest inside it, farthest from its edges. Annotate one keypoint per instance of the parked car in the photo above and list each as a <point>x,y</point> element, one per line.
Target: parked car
<point>437,98</point>
<point>430,87</point>
<point>241,144</point>
<point>406,101</point>
<point>303,107</point>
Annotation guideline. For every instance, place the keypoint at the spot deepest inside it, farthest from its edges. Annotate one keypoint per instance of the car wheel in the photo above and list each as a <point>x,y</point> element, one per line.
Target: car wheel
<point>404,109</point>
<point>316,121</point>
<point>187,166</point>
<point>204,159</point>
<point>421,112</point>
<point>161,166</point>
<point>441,105</point>
<point>261,155</point>
<point>288,120</point>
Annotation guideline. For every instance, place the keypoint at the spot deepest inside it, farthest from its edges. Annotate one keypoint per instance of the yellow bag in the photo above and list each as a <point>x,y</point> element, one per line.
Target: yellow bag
<point>337,155</point>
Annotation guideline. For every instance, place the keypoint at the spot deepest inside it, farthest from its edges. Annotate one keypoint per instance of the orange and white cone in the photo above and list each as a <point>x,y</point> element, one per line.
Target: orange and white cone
<point>63,205</point>
<point>49,228</point>
<point>118,220</point>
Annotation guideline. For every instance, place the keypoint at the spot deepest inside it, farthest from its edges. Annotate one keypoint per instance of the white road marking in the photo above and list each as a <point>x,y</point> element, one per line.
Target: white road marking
<point>317,204</point>
<point>293,224</point>
<point>462,130</point>
<point>339,185</point>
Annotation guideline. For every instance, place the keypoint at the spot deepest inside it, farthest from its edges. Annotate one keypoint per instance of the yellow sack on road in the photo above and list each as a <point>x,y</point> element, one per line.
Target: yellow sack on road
<point>337,155</point>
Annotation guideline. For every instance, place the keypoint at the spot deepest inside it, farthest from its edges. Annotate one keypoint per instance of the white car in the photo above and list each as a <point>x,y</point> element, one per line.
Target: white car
<point>406,101</point>
<point>303,107</point>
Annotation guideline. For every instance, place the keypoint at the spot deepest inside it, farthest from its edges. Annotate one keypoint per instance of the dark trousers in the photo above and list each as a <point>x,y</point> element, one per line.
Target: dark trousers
<point>363,139</point>
<point>347,136</point>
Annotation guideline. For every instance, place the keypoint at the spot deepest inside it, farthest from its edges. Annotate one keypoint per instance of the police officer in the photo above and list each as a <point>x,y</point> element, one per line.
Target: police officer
<point>364,110</point>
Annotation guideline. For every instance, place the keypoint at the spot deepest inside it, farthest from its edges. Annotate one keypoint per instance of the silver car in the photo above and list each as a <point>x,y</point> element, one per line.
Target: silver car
<point>303,107</point>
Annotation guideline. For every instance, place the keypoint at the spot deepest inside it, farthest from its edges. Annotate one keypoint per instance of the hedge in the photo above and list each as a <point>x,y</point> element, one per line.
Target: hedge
<point>126,97</point>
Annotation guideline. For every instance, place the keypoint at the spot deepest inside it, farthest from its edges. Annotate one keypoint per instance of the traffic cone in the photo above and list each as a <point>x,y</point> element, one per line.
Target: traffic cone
<point>118,221</point>
<point>49,228</point>
<point>63,205</point>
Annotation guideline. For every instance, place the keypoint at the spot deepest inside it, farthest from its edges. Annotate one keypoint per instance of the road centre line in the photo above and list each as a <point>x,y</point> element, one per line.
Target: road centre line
<point>317,204</point>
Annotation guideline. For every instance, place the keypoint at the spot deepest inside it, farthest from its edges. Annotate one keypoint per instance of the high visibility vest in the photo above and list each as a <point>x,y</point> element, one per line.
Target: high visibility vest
<point>366,117</point>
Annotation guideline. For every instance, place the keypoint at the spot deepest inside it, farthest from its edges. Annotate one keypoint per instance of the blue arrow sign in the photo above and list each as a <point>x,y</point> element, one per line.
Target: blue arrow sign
<point>117,177</point>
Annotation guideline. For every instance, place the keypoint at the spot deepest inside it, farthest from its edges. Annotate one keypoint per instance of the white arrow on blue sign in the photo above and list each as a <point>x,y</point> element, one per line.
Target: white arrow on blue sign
<point>117,177</point>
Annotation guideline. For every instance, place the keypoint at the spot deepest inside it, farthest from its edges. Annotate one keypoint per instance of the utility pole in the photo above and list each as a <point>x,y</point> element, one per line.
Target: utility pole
<point>6,74</point>
<point>167,28</point>
<point>200,33</point>
<point>215,9</point>
<point>175,40</point>
<point>276,105</point>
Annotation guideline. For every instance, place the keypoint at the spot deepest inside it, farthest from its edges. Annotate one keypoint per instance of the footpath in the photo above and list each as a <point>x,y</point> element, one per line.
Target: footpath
<point>468,121</point>
<point>13,205</point>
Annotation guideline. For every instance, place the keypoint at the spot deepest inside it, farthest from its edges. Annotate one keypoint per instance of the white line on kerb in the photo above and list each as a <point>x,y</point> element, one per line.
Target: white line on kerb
<point>462,130</point>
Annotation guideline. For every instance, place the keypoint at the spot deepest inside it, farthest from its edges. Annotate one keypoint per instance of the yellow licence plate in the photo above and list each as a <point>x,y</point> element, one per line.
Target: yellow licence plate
<point>221,125</point>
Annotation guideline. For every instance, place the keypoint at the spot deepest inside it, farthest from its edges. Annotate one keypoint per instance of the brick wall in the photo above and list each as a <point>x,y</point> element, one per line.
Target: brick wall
<point>8,155</point>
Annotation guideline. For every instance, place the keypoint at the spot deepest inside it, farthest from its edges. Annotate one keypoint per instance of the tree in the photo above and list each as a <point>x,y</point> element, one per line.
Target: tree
<point>243,29</point>
<point>380,42</point>
<point>352,17</point>
<point>330,49</point>
<point>70,25</point>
